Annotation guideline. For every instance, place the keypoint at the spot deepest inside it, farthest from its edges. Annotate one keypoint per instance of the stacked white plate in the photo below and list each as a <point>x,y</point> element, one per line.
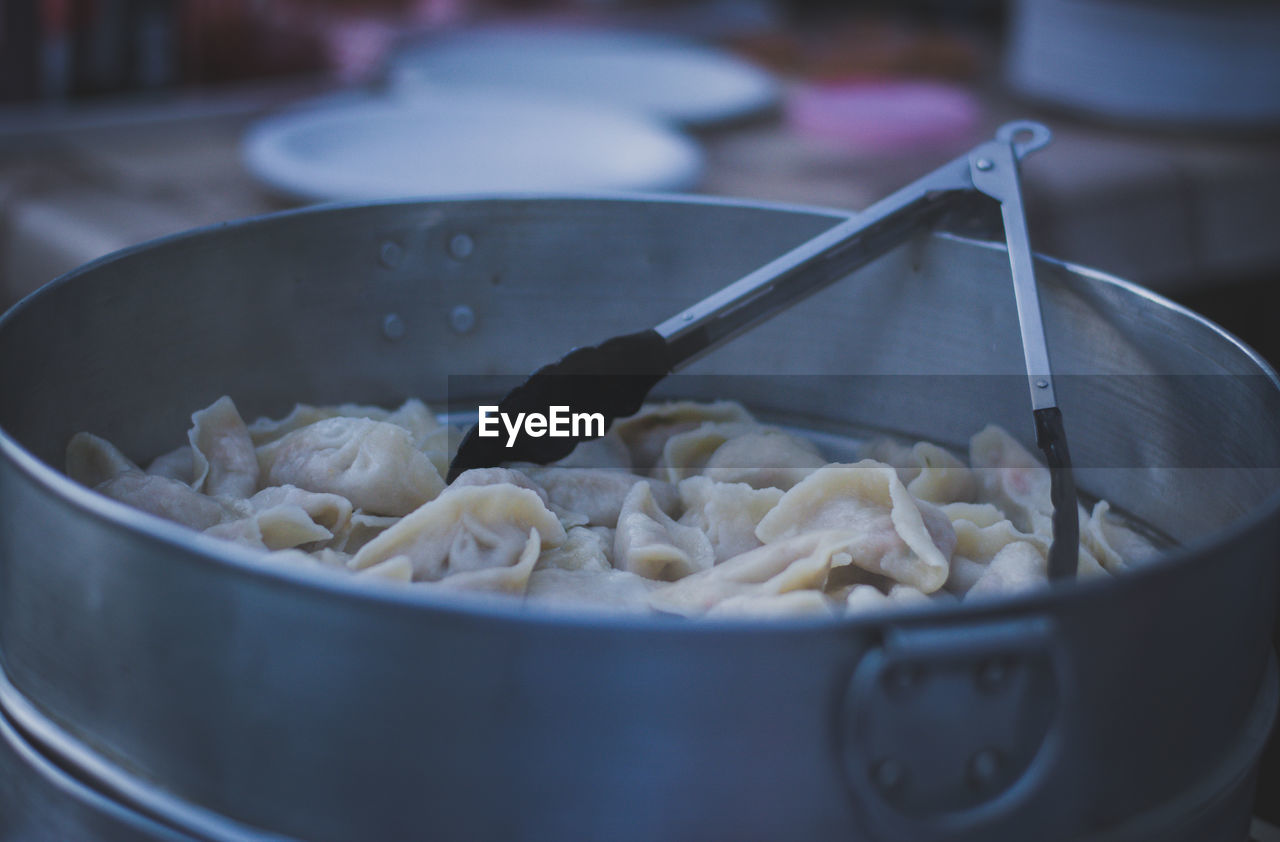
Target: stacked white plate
<point>454,142</point>
<point>665,77</point>
<point>512,111</point>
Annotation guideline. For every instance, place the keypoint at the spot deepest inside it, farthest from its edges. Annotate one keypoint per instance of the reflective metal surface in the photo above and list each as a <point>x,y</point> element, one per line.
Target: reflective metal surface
<point>305,704</point>
<point>40,802</point>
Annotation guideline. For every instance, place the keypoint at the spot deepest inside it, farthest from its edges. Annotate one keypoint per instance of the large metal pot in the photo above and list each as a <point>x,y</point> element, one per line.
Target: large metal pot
<point>191,674</point>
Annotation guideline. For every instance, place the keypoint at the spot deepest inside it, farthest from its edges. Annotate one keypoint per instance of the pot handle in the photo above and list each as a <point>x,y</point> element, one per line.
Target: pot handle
<point>952,732</point>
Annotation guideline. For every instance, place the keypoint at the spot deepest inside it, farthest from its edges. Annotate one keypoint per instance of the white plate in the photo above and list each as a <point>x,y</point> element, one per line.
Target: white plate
<point>455,143</point>
<point>668,78</point>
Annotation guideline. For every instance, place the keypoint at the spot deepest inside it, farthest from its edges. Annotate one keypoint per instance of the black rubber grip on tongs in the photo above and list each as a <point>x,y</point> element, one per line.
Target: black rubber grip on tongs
<point>612,378</point>
<point>1051,438</point>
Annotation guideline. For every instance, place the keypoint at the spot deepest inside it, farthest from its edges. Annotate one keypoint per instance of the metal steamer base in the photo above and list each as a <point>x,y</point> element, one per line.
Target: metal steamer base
<point>161,682</point>
<point>41,802</point>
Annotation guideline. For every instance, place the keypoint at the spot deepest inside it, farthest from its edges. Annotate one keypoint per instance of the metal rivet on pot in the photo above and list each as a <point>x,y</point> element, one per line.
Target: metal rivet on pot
<point>1042,383</point>
<point>390,254</point>
<point>991,674</point>
<point>984,769</point>
<point>392,326</point>
<point>462,318</point>
<point>984,164</point>
<point>688,317</point>
<point>889,776</point>
<point>461,246</point>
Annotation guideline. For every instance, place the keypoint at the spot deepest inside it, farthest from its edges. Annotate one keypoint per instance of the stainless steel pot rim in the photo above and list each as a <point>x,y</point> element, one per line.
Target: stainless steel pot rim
<point>247,562</point>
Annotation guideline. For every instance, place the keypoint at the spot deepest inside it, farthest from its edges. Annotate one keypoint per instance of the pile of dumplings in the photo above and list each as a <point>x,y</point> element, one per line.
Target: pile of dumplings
<point>693,509</point>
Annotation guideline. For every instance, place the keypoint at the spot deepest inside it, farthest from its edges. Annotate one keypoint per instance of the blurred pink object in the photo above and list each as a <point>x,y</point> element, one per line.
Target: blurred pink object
<point>355,47</point>
<point>356,37</point>
<point>884,116</point>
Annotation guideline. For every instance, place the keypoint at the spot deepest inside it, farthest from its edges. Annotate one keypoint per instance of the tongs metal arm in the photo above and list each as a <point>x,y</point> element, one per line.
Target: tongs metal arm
<point>814,265</point>
<point>839,251</point>
<point>994,167</point>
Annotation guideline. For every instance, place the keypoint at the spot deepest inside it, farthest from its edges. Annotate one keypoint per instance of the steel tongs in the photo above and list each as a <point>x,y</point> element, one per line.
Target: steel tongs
<point>614,377</point>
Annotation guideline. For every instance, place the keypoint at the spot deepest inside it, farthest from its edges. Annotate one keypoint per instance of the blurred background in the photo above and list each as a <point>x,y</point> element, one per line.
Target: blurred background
<point>124,120</point>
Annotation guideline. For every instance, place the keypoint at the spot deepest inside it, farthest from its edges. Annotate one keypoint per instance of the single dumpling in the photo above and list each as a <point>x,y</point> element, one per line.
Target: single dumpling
<point>374,464</point>
<point>686,453</point>
<point>330,511</point>
<point>649,543</point>
<point>764,458</point>
<point>437,440</point>
<point>646,433</point>
<point>982,530</point>
<point>727,513</point>
<point>801,562</point>
<point>615,591</point>
<point>266,430</point>
<point>92,460</point>
<point>1018,567</point>
<point>474,477</point>
<point>466,530</point>
<point>891,532</point>
<point>360,529</point>
<point>584,548</point>
<point>595,493</point>
<point>1112,543</point>
<point>223,458</point>
<point>281,527</point>
<point>167,498</point>
<point>931,473</point>
<point>760,456</point>
<point>284,517</point>
<point>416,417</point>
<point>506,578</point>
<point>178,464</point>
<point>1011,478</point>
